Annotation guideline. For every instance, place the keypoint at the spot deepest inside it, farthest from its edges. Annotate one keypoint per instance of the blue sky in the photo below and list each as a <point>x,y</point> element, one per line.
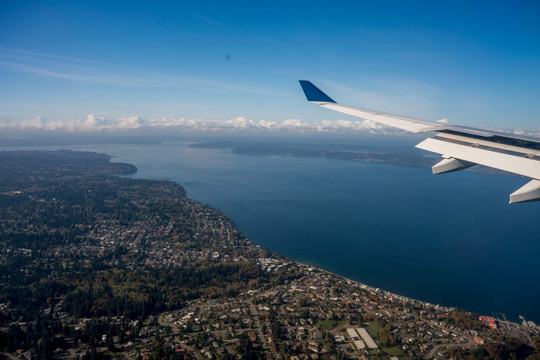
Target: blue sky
<point>474,63</point>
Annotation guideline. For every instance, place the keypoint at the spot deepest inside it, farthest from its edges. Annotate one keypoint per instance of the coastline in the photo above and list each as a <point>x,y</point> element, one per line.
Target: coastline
<point>376,290</point>
<point>171,270</point>
<point>205,185</point>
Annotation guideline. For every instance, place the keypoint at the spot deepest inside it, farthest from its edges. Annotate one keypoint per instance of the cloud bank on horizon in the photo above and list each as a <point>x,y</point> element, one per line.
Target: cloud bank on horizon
<point>99,124</point>
<point>96,124</point>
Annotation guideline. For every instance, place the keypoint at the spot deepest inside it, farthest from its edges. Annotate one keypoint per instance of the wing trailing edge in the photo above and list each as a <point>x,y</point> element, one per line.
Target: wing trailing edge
<point>460,146</point>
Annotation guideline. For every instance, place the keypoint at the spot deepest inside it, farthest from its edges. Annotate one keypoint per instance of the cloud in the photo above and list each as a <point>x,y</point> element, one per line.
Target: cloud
<point>91,123</point>
<point>207,19</point>
<point>238,125</point>
<point>99,124</point>
<point>95,72</point>
<point>527,132</point>
<point>94,123</point>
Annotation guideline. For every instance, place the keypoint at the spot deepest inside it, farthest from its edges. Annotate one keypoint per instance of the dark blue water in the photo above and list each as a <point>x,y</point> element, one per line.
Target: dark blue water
<point>450,239</point>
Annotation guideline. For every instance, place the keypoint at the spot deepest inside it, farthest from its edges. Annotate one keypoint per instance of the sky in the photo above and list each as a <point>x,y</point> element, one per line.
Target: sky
<point>121,65</point>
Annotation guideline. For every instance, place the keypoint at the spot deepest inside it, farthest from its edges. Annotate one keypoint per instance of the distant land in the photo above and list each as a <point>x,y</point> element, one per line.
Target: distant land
<point>390,154</point>
<point>97,266</point>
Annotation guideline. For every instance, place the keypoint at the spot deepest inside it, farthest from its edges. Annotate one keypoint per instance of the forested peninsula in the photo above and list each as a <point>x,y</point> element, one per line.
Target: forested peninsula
<point>388,154</point>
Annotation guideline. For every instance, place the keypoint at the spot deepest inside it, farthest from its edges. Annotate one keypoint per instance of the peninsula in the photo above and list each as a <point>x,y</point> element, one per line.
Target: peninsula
<point>390,154</point>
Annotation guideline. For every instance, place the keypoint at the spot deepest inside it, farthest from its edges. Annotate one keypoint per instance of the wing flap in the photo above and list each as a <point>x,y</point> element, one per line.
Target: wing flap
<point>478,154</point>
<point>526,193</point>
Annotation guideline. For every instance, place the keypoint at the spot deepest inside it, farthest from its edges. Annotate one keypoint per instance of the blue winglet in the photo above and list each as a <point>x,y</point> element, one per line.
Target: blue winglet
<point>313,93</point>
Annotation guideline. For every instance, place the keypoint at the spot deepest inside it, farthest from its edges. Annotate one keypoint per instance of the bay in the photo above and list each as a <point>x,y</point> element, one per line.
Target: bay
<point>450,239</point>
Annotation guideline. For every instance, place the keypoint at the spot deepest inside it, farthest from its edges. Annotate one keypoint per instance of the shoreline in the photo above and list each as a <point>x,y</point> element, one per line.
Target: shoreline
<point>376,290</point>
<point>171,270</point>
<point>514,316</point>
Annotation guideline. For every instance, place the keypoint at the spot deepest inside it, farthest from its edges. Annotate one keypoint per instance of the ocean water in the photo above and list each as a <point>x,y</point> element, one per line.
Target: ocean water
<point>450,239</point>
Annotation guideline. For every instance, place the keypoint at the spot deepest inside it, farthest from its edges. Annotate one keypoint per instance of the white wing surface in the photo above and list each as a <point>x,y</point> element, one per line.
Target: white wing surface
<point>461,147</point>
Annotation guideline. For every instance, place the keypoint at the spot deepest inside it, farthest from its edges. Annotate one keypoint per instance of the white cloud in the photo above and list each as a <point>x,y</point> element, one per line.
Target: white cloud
<point>94,123</point>
<point>527,132</point>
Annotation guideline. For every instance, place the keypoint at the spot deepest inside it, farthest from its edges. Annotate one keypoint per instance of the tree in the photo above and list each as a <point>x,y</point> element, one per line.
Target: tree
<point>386,339</point>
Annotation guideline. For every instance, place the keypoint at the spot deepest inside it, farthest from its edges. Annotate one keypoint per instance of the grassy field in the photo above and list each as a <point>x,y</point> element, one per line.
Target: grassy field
<point>395,350</point>
<point>373,329</point>
<point>331,324</point>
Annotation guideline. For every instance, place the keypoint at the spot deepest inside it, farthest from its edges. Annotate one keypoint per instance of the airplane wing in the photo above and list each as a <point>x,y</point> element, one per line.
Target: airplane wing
<point>461,147</point>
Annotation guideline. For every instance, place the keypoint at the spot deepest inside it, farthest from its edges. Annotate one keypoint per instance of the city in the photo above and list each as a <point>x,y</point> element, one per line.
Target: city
<point>145,272</point>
